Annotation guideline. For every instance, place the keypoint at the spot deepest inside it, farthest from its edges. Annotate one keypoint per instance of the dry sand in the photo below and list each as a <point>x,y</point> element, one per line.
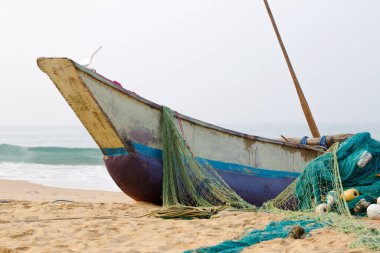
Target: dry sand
<point>100,221</point>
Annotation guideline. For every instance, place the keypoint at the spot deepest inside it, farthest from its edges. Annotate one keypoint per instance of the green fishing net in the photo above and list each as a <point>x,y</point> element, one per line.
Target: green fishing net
<point>353,164</point>
<point>350,168</point>
<point>272,231</point>
<point>189,181</point>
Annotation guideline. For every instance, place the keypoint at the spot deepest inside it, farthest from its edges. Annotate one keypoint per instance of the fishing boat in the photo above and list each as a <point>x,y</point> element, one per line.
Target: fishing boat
<point>127,129</point>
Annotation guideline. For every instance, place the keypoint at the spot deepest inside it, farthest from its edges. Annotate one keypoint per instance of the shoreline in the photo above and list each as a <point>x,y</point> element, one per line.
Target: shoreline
<point>26,191</point>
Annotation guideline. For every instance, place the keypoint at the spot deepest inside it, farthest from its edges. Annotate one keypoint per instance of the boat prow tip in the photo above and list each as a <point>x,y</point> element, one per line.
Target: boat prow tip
<point>44,62</point>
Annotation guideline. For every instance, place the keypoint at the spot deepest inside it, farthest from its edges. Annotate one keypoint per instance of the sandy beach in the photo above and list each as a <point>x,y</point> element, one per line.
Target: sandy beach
<point>34,218</point>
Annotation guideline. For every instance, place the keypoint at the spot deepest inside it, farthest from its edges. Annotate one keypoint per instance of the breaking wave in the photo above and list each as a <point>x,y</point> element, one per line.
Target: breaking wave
<point>50,155</point>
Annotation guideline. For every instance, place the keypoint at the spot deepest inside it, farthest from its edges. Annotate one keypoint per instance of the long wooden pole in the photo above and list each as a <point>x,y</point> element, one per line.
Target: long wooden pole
<point>301,96</point>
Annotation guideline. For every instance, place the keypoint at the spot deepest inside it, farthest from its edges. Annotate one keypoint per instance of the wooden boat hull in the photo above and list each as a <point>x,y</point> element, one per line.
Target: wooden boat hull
<point>140,177</point>
<point>127,128</point>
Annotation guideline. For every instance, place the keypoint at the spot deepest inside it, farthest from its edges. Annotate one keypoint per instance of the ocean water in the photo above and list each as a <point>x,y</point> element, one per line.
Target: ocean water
<point>68,157</point>
<point>53,156</point>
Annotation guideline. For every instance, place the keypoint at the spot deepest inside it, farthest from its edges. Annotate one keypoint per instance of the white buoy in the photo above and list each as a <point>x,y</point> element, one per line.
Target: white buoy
<point>322,208</point>
<point>373,212</point>
<point>332,198</point>
<point>364,159</point>
<point>378,200</point>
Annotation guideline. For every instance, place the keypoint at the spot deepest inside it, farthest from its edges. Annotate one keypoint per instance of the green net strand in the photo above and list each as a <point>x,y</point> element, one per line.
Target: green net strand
<point>187,180</point>
<point>332,173</point>
<point>366,234</point>
<point>319,178</point>
<point>273,230</point>
<point>187,212</point>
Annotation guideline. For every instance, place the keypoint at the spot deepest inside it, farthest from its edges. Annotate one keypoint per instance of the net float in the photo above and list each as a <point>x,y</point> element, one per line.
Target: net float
<point>322,208</point>
<point>332,198</point>
<point>350,194</point>
<point>373,212</point>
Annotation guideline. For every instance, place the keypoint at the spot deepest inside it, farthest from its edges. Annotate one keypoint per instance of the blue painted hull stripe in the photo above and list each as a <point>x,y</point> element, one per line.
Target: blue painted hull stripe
<point>157,153</point>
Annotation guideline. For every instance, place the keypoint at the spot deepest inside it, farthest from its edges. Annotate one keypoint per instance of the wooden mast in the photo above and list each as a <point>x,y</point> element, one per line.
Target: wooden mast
<point>301,96</point>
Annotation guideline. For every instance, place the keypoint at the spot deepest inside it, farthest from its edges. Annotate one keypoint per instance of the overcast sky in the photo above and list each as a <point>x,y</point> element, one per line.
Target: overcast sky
<point>218,61</point>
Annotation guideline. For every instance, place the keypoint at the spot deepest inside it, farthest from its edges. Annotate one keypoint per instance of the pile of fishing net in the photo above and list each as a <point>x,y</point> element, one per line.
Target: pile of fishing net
<point>337,180</point>
<point>337,186</point>
<point>190,188</point>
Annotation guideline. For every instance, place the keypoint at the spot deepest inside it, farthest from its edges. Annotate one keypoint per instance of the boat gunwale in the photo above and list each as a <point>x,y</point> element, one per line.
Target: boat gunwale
<point>132,94</point>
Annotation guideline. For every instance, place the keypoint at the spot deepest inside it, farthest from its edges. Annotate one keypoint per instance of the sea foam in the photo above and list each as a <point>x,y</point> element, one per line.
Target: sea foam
<point>79,168</point>
<point>90,177</point>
